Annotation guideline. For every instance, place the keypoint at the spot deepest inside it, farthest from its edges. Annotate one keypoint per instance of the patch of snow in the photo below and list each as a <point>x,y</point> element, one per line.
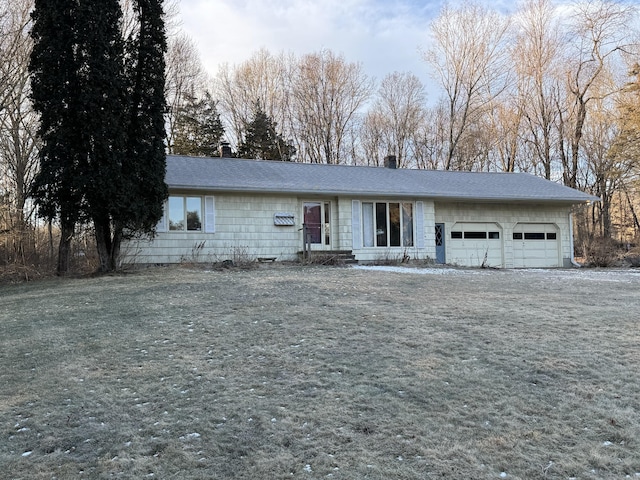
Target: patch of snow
<point>26,454</point>
<point>503,475</point>
<point>417,270</point>
<point>307,468</point>
<point>587,274</point>
<point>607,444</point>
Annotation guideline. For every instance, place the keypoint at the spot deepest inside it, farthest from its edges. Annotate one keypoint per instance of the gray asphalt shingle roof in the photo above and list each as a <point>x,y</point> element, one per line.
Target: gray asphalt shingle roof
<point>260,176</point>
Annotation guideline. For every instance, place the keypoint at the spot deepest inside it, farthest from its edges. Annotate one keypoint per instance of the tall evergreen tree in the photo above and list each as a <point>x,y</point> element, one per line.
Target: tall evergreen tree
<point>103,114</point>
<point>139,205</point>
<point>262,142</point>
<point>198,128</point>
<point>76,69</point>
<point>101,107</point>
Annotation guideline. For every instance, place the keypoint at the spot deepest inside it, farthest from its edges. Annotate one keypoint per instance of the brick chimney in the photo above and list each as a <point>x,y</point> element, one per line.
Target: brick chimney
<point>225,149</point>
<point>390,162</point>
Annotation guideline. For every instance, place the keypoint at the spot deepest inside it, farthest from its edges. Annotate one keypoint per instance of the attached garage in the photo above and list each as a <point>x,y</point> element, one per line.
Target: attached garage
<point>476,244</point>
<point>536,245</point>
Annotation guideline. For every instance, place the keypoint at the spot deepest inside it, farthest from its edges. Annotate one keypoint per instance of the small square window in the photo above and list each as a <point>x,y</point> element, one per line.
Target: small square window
<point>517,235</point>
<point>551,236</point>
<point>494,235</point>
<point>456,234</point>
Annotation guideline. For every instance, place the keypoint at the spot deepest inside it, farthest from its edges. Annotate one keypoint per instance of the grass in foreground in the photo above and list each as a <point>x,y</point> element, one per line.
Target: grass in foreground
<point>284,372</point>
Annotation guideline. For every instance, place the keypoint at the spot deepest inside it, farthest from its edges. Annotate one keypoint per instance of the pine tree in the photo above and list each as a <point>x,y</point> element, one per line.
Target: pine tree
<point>101,107</point>
<point>262,142</point>
<point>140,204</point>
<point>76,70</point>
<point>103,115</point>
<point>198,128</point>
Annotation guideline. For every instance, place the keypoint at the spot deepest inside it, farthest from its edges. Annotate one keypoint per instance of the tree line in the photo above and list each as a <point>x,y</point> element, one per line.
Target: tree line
<point>546,90</point>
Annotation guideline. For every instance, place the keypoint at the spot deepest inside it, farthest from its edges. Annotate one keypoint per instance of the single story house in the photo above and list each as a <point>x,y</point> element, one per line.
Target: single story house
<point>220,208</point>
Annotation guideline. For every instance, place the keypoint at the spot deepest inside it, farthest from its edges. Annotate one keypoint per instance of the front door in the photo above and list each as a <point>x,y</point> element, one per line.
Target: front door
<point>317,224</point>
<point>440,250</point>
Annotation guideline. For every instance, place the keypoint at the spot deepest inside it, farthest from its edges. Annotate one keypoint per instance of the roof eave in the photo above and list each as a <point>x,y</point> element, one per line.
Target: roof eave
<point>377,194</point>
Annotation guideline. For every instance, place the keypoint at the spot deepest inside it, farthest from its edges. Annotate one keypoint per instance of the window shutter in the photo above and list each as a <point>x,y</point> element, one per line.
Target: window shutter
<point>356,227</point>
<point>209,215</point>
<point>420,225</point>
<point>161,226</point>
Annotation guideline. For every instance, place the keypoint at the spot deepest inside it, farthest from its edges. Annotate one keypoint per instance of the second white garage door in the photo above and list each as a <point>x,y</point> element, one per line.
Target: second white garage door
<point>536,245</point>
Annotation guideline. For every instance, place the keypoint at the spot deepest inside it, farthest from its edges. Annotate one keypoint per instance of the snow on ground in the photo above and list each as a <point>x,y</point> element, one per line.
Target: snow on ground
<point>418,270</point>
<point>603,275</point>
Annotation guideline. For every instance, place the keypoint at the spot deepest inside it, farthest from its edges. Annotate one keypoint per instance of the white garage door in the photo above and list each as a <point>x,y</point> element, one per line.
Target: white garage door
<point>475,245</point>
<point>536,245</point>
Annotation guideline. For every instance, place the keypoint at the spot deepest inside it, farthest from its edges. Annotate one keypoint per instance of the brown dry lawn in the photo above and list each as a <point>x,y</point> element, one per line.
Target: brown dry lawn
<point>322,372</point>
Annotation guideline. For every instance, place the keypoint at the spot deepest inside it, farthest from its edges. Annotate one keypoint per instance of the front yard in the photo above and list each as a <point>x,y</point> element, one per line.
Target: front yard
<point>322,372</point>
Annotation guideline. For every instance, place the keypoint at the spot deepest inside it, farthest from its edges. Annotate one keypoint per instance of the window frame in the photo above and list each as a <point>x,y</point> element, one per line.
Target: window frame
<point>206,214</point>
<point>380,230</point>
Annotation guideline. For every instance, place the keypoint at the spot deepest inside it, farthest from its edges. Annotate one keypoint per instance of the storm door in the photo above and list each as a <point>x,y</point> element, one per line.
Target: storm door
<point>440,250</point>
<point>317,223</point>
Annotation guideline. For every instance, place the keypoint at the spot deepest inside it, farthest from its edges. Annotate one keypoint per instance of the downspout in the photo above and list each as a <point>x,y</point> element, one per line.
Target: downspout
<point>571,252</point>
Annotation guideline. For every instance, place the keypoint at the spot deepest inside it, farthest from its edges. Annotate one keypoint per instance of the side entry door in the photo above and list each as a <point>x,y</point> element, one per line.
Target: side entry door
<point>440,245</point>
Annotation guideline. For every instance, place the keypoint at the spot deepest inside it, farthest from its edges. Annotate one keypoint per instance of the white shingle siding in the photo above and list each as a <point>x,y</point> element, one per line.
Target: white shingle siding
<point>243,226</point>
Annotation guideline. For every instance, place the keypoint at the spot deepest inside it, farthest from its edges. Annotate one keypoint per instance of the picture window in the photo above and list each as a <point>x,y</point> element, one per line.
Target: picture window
<point>387,224</point>
<point>185,214</point>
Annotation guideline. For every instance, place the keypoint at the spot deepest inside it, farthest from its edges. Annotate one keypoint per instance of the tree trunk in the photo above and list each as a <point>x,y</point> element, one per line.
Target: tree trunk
<point>114,257</point>
<point>636,223</point>
<point>103,244</point>
<point>64,249</point>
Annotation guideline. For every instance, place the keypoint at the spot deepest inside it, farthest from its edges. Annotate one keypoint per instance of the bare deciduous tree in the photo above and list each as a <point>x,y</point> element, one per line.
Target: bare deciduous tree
<point>396,116</point>
<point>18,158</point>
<point>600,35</point>
<point>536,56</point>
<point>470,63</point>
<point>185,78</point>
<point>263,79</point>
<point>327,93</point>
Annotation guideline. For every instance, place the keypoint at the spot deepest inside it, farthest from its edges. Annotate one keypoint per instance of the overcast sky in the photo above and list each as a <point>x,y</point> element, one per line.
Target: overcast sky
<point>384,35</point>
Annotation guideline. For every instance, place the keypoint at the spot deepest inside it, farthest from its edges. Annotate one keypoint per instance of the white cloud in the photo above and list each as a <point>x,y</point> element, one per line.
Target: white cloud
<point>384,36</point>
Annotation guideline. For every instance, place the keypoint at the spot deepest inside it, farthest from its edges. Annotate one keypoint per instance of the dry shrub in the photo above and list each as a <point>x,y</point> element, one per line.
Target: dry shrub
<point>324,259</point>
<point>602,252</point>
<point>389,258</point>
<point>632,257</point>
<point>30,253</point>
<point>238,257</point>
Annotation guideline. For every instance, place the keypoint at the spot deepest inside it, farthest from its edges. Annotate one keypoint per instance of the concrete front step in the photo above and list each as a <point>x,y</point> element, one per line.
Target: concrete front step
<point>343,256</point>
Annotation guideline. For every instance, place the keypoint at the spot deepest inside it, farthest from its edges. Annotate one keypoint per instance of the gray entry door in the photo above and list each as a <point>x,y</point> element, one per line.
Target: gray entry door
<point>440,251</point>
